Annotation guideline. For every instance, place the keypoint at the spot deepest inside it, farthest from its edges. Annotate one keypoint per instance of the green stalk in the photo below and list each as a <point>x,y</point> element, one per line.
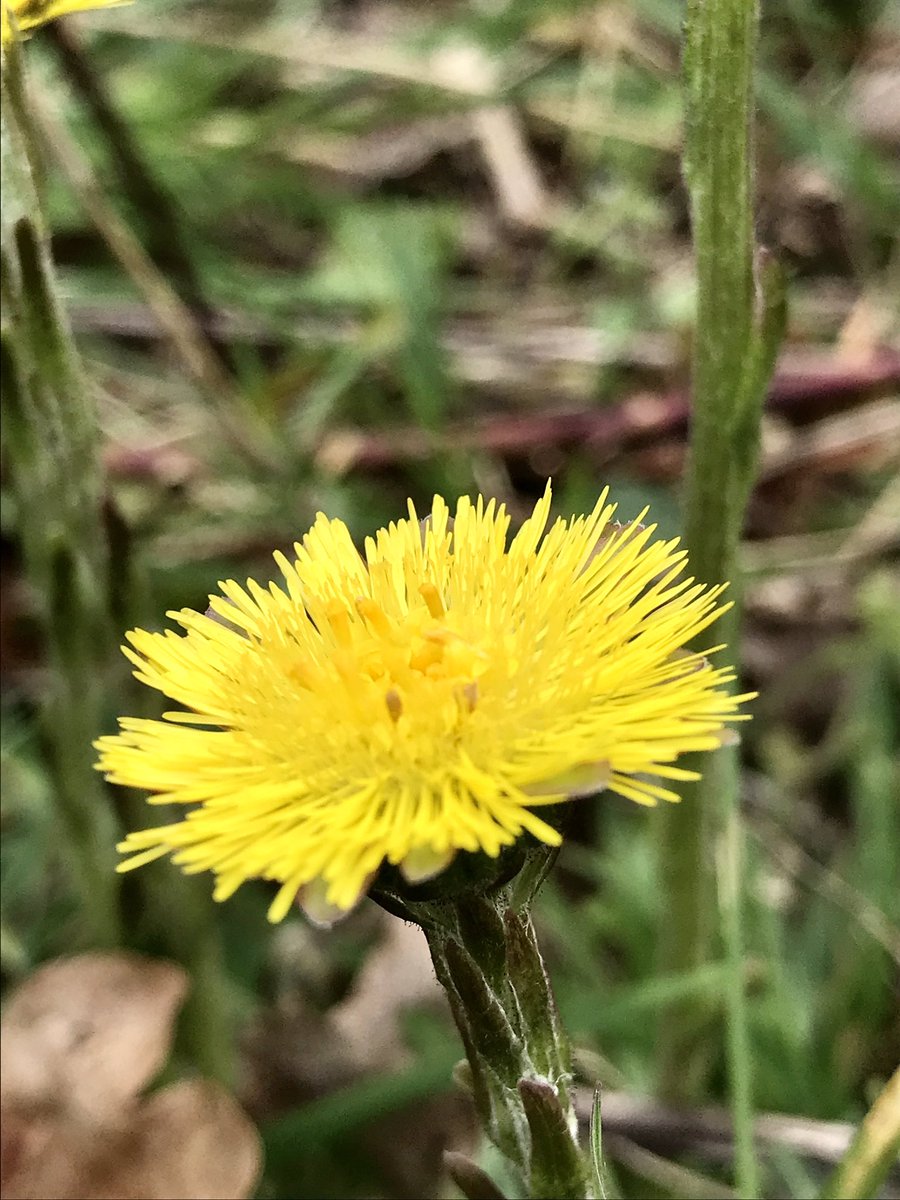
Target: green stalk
<point>79,562</point>
<point>737,1033</point>
<point>487,959</point>
<point>740,319</point>
<point>50,434</point>
<point>874,1150</point>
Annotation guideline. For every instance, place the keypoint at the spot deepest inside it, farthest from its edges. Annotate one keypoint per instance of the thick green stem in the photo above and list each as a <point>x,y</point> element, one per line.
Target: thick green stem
<point>79,563</point>
<point>51,437</point>
<point>486,957</point>
<point>740,317</point>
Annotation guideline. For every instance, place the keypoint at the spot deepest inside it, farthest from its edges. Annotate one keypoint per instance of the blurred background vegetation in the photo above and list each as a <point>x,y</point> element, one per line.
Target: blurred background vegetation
<point>328,255</point>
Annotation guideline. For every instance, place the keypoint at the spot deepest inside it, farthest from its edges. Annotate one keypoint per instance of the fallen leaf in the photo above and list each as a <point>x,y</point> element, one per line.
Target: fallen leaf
<point>89,1032</point>
<point>81,1038</point>
<point>189,1140</point>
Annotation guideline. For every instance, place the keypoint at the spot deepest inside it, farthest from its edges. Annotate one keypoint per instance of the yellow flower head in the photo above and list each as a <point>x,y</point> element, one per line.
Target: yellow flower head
<point>28,14</point>
<point>425,698</point>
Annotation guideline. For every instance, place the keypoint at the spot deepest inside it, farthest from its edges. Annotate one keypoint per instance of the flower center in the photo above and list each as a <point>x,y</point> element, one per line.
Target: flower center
<point>409,657</point>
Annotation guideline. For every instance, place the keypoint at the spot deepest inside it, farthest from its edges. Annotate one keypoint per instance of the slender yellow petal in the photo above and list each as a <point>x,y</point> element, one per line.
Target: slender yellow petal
<point>23,15</point>
<point>424,698</point>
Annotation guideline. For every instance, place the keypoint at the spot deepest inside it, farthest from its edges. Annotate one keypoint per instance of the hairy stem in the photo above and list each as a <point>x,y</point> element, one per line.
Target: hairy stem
<point>77,556</point>
<point>50,435</point>
<point>740,317</point>
<point>487,958</point>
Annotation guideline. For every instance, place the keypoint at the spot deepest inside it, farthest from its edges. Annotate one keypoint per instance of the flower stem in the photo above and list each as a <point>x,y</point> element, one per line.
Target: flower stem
<point>740,320</point>
<point>78,560</point>
<point>486,956</point>
<point>50,434</point>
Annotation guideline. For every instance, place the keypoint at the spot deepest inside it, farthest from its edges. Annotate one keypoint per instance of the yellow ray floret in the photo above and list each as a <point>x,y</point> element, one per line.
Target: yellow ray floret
<point>423,698</point>
<point>24,15</point>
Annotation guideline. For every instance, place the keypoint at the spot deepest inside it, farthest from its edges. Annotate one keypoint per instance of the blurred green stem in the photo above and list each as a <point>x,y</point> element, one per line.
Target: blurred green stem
<point>740,319</point>
<point>873,1151</point>
<point>78,561</point>
<point>50,433</point>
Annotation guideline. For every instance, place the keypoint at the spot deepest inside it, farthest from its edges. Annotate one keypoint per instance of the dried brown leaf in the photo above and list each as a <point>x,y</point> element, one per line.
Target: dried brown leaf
<point>50,1155</point>
<point>188,1140</point>
<point>87,1033</point>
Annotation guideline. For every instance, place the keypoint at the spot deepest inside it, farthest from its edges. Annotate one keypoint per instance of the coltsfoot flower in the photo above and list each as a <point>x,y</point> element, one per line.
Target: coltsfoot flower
<point>425,698</point>
<point>28,14</point>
